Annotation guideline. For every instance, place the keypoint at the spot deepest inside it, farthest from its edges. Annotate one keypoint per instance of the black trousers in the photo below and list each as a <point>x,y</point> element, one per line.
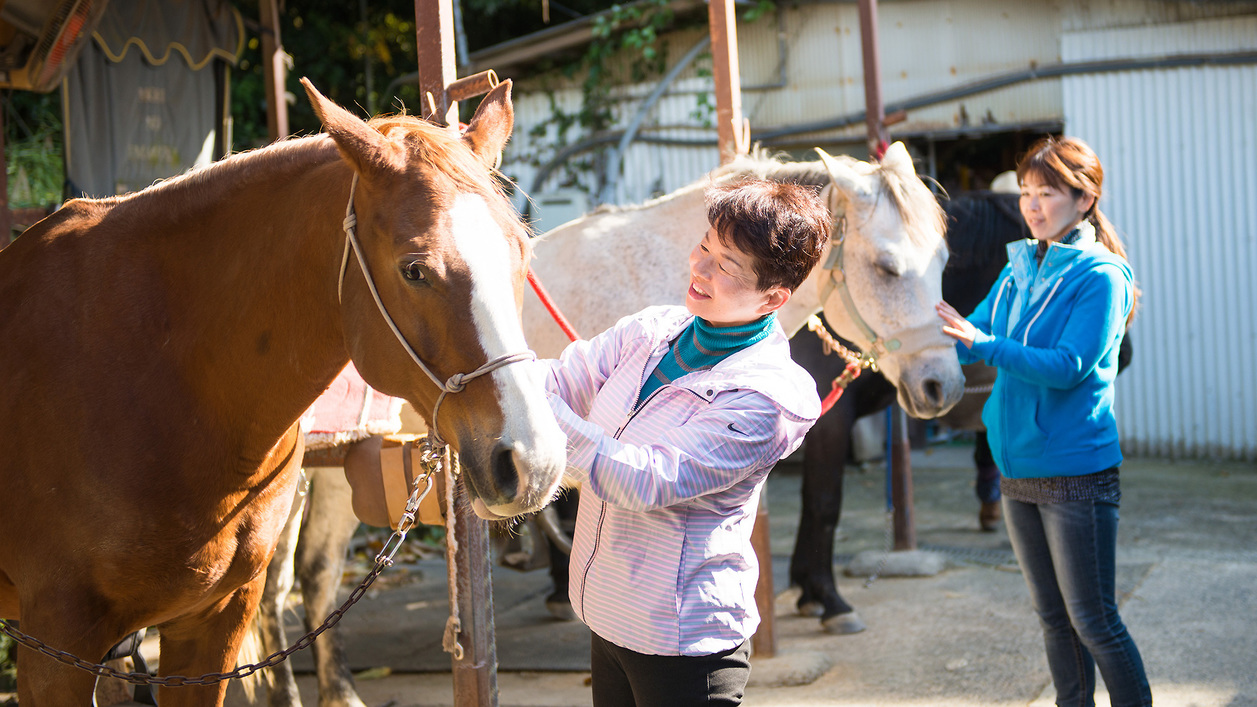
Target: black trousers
<point>625,678</point>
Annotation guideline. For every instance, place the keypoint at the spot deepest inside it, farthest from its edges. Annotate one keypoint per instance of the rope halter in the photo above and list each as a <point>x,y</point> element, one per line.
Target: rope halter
<point>836,279</point>
<point>456,382</point>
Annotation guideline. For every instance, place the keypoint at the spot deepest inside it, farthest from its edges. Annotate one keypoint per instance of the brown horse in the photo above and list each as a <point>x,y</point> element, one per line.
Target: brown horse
<point>158,349</point>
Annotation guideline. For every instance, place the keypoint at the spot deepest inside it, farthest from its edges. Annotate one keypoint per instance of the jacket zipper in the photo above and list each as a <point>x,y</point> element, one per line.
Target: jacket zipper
<point>602,512</point>
<point>1025,338</point>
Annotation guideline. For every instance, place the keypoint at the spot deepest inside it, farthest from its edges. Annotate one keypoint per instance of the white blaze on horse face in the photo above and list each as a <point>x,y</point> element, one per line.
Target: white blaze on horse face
<point>527,415</point>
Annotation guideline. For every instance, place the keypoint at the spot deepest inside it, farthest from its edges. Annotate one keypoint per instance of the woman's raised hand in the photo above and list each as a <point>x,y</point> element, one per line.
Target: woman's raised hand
<point>956,326</point>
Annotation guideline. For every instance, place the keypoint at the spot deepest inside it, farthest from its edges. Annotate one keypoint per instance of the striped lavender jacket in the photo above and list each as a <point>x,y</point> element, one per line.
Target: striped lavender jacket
<point>662,562</point>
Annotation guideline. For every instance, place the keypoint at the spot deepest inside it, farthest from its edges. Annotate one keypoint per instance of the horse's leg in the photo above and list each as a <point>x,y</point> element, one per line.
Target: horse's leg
<point>206,642</point>
<point>825,451</point>
<point>321,551</point>
<point>282,686</point>
<point>75,622</point>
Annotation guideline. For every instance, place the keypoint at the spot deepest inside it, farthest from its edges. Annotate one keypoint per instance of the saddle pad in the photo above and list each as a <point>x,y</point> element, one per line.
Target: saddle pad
<point>349,411</point>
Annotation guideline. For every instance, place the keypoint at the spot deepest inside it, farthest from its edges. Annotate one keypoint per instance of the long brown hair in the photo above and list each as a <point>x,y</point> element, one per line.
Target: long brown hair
<point>1069,163</point>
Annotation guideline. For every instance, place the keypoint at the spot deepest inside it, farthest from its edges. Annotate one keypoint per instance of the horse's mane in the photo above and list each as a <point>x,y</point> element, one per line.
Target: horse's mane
<point>922,217</point>
<point>918,209</point>
<point>761,164</point>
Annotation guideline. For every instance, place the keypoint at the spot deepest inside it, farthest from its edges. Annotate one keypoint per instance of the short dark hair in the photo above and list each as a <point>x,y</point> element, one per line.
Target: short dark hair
<point>783,226</point>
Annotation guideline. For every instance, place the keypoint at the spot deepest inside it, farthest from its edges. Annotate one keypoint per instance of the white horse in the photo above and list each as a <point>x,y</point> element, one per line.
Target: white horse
<point>888,250</point>
<point>890,257</point>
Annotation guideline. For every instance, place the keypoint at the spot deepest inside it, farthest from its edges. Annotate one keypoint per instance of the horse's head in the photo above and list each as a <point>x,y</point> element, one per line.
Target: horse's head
<point>432,289</point>
<point>884,276</point>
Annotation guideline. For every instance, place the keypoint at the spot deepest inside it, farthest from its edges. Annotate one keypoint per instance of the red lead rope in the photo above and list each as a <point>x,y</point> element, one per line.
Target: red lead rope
<point>544,296</point>
<point>840,386</point>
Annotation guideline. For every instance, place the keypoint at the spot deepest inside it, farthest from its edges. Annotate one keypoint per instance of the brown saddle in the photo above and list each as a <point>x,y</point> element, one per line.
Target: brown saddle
<point>382,472</point>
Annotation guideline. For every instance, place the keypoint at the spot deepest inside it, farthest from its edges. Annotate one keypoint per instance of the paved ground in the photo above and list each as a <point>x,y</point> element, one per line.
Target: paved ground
<point>1187,560</point>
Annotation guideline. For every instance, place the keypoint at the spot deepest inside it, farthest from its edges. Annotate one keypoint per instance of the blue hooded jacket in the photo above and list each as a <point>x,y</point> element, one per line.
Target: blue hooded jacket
<point>1052,330</point>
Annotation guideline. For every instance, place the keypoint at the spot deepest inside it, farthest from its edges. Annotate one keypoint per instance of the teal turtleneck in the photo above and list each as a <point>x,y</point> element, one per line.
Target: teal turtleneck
<point>701,346</point>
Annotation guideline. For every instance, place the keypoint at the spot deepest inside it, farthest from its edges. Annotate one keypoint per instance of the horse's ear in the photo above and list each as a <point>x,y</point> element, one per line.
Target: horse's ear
<point>491,127</point>
<point>898,160</point>
<point>361,144</point>
<point>847,182</point>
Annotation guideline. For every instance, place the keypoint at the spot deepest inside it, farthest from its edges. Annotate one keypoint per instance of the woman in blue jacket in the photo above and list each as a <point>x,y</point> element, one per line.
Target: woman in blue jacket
<point>1051,326</point>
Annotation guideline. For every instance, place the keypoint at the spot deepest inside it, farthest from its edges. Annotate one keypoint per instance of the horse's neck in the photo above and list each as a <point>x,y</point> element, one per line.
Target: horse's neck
<point>805,302</point>
<point>256,264</point>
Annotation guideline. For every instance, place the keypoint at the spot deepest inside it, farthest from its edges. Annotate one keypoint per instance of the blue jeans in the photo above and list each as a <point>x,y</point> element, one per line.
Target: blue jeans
<point>1067,554</point>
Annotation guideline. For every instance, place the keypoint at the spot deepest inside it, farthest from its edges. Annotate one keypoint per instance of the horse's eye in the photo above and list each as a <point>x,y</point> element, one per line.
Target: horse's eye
<point>413,271</point>
<point>887,271</point>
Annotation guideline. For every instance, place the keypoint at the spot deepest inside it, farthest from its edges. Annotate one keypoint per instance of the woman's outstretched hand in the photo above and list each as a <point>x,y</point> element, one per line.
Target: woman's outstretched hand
<point>956,326</point>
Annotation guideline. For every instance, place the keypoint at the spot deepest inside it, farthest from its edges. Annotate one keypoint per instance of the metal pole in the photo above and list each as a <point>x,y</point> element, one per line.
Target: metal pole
<point>274,71</point>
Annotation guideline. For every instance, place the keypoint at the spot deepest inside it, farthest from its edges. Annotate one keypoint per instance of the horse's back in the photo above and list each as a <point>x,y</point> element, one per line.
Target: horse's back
<point>609,264</point>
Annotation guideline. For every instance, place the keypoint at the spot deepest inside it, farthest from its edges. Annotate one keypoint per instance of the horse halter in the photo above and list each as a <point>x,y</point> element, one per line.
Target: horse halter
<point>456,382</point>
<point>837,280</point>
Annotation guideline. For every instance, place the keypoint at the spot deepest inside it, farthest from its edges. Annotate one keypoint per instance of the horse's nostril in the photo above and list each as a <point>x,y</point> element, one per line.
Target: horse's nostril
<point>505,474</point>
<point>933,391</point>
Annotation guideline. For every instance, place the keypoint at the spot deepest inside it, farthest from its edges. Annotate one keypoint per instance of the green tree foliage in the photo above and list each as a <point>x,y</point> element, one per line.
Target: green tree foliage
<point>33,148</point>
<point>337,46</point>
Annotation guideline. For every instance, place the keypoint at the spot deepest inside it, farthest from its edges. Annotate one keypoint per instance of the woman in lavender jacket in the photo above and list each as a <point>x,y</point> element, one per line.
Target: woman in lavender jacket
<point>674,418</point>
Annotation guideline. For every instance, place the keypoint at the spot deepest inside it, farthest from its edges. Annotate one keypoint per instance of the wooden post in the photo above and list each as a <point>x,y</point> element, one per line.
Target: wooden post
<point>476,673</point>
<point>764,642</point>
<point>732,135</point>
<point>875,119</point>
<point>905,528</point>
<point>731,131</point>
<point>274,71</point>
<point>874,111</point>
<point>434,38</point>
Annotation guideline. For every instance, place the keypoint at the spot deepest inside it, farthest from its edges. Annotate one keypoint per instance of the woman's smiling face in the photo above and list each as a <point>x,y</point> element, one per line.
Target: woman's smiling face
<point>1051,212</point>
<point>724,288</point>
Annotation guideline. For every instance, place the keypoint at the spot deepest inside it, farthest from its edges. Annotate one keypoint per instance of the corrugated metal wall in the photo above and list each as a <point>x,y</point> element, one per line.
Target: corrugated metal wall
<point>1180,153</point>
<point>802,65</point>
